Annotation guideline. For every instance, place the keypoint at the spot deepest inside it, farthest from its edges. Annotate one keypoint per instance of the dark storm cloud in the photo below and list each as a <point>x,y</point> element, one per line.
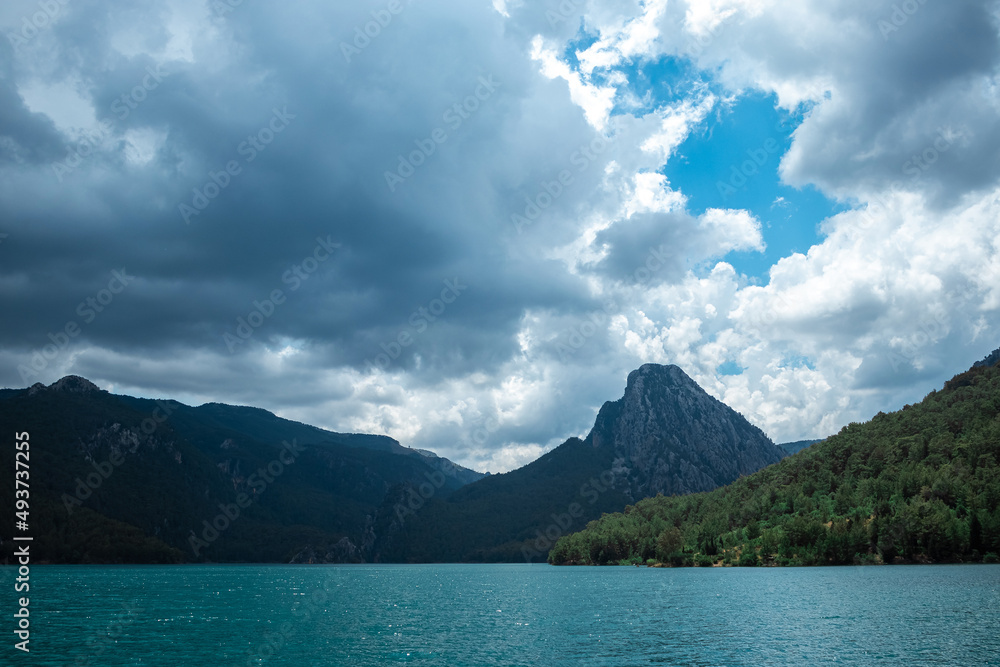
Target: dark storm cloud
<point>265,143</point>
<point>25,136</point>
<point>651,247</point>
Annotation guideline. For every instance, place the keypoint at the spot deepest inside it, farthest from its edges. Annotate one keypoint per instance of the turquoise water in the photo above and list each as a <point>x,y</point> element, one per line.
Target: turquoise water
<point>507,615</point>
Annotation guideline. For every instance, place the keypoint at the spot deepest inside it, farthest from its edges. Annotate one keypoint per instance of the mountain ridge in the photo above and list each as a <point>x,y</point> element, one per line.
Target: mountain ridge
<point>511,516</point>
<point>227,415</point>
<point>140,480</point>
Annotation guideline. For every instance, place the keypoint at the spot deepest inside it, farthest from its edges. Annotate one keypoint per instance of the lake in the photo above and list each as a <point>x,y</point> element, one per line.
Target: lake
<point>536,615</point>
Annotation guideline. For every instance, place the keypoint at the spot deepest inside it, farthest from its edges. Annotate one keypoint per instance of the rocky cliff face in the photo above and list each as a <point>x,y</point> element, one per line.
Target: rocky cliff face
<point>669,436</point>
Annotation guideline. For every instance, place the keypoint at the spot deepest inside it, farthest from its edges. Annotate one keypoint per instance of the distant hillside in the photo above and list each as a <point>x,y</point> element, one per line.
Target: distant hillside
<point>666,434</point>
<point>208,423</point>
<point>797,446</point>
<point>921,484</point>
<point>120,479</point>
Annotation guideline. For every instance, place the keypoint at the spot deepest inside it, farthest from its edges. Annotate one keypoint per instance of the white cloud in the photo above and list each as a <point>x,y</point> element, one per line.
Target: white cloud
<point>596,101</point>
<point>736,229</point>
<point>676,124</point>
<point>626,38</point>
<point>652,193</point>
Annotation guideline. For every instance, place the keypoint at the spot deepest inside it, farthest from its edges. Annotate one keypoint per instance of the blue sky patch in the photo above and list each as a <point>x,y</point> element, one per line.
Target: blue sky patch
<point>729,368</point>
<point>732,162</point>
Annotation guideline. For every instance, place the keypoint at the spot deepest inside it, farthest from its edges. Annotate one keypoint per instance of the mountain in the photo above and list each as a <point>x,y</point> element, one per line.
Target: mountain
<point>212,421</point>
<point>122,479</point>
<point>797,446</point>
<point>674,438</point>
<point>665,435</point>
<point>991,359</point>
<point>918,485</point>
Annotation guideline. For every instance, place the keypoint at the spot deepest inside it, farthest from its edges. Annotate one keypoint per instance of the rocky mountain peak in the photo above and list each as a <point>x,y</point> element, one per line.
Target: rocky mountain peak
<point>74,384</point>
<point>670,436</point>
<point>656,378</point>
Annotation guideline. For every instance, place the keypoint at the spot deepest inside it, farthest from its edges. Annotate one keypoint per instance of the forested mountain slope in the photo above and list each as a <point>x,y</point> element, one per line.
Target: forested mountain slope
<point>921,484</point>
<point>116,479</point>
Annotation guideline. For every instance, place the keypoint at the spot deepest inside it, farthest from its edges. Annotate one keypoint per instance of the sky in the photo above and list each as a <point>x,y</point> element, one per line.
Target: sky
<point>462,223</point>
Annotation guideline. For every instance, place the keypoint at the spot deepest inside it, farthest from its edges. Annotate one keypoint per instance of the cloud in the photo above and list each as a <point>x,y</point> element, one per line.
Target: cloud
<point>595,100</point>
<point>509,147</point>
<point>897,95</point>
